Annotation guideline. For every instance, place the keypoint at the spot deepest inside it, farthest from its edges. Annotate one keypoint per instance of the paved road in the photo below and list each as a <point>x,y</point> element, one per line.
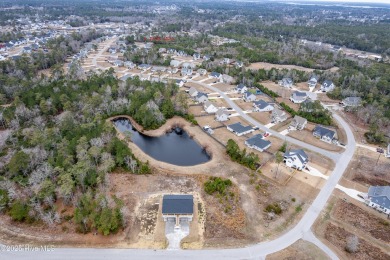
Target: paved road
<point>100,53</point>
<point>332,155</point>
<point>301,231</point>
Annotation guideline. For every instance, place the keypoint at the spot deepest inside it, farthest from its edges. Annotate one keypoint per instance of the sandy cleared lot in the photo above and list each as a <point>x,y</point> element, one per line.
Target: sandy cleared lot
<point>224,87</point>
<point>302,86</point>
<point>299,250</point>
<point>198,87</point>
<point>262,117</point>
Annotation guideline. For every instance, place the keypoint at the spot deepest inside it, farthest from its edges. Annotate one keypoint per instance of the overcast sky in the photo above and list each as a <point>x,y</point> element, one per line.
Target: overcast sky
<point>345,1</point>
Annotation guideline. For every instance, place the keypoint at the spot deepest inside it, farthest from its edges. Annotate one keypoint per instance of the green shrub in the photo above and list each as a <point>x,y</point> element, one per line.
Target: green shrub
<point>217,184</point>
<point>275,208</point>
<point>19,211</point>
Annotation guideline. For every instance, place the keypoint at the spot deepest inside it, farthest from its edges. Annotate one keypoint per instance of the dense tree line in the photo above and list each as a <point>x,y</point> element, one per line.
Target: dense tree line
<point>249,160</point>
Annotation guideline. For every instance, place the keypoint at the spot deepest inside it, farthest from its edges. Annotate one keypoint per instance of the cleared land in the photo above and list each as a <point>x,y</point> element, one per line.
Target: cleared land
<point>299,250</point>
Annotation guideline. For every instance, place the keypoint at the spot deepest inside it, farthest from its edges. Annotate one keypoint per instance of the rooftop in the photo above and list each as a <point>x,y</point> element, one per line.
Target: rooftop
<point>178,204</point>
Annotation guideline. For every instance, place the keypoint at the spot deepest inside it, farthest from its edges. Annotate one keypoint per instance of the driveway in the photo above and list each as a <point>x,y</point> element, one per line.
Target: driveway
<point>175,235</point>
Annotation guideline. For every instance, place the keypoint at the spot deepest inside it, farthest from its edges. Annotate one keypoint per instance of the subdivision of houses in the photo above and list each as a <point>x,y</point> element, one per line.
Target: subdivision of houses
<point>221,115</point>
<point>178,207</point>
<point>324,134</point>
<point>286,82</point>
<point>298,97</point>
<point>351,102</point>
<point>239,130</point>
<point>249,97</point>
<point>209,107</point>
<point>298,123</point>
<point>296,159</point>
<point>262,106</point>
<point>241,88</point>
<point>378,197</point>
<point>313,81</point>
<point>278,115</point>
<point>327,86</point>
<point>258,143</point>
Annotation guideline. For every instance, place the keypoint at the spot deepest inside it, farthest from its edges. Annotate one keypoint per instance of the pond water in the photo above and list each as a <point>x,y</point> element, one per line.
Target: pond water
<point>175,147</point>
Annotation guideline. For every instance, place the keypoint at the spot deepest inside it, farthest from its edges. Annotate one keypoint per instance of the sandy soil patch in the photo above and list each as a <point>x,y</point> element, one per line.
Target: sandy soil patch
<point>262,117</point>
<point>224,87</point>
<point>303,86</point>
<point>368,168</point>
<point>299,250</point>
<point>198,87</point>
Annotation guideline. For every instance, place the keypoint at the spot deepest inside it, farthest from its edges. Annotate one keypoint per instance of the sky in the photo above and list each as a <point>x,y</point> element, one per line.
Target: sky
<point>345,1</point>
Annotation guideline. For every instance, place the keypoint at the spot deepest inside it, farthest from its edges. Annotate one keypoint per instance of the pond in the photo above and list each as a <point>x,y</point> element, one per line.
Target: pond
<point>175,147</point>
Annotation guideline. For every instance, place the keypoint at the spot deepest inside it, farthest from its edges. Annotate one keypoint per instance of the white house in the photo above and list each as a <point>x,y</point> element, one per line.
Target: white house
<point>196,56</point>
<point>286,82</point>
<point>129,65</point>
<point>179,83</point>
<point>262,106</point>
<point>278,115</point>
<point>313,81</point>
<point>249,97</point>
<point>327,86</point>
<point>298,97</point>
<point>351,102</point>
<point>201,97</point>
<point>221,115</point>
<point>239,129</point>
<point>216,75</point>
<point>175,63</point>
<point>298,122</point>
<point>241,88</point>
<point>324,134</point>
<point>258,143</point>
<point>202,72</point>
<point>209,107</point>
<point>378,197</point>
<point>296,159</point>
<point>193,92</point>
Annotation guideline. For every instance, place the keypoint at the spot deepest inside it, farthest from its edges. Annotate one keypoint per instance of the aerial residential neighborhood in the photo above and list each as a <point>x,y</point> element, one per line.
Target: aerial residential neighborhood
<point>203,130</point>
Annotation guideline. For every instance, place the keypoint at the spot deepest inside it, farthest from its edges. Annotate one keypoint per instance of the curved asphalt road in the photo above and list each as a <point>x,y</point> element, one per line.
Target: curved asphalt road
<point>258,251</point>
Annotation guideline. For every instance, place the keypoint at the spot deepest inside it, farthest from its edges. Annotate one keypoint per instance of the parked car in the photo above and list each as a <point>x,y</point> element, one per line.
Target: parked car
<point>266,134</point>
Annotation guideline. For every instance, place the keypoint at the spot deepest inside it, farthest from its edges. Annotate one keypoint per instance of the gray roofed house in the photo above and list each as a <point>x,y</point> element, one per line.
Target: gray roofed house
<point>239,129</point>
<point>313,81</point>
<point>175,63</point>
<point>286,82</point>
<point>221,115</point>
<point>258,143</point>
<point>378,197</point>
<point>324,134</point>
<point>241,88</point>
<point>215,74</point>
<point>352,102</point>
<point>249,97</point>
<point>278,115</point>
<point>186,71</point>
<point>296,159</point>
<point>193,92</point>
<point>298,97</point>
<point>144,66</point>
<point>327,86</point>
<point>178,207</point>
<point>262,106</point>
<point>201,97</point>
<point>298,122</point>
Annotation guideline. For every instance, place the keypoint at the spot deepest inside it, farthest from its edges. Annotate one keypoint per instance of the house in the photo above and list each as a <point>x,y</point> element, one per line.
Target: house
<point>298,97</point>
<point>278,115</point>
<point>241,88</point>
<point>327,86</point>
<point>129,65</point>
<point>26,50</point>
<point>206,57</point>
<point>188,65</point>
<point>202,72</point>
<point>216,75</point>
<point>175,63</point>
<point>262,106</point>
<point>117,63</point>
<point>179,83</point>
<point>209,107</point>
<point>378,197</point>
<point>313,81</point>
<point>34,47</point>
<point>258,143</point>
<point>162,50</point>
<point>125,77</point>
<point>249,97</point>
<point>201,97</point>
<point>388,151</point>
<point>144,77</point>
<point>286,82</point>
<point>227,79</point>
<point>298,122</point>
<point>239,129</point>
<point>158,69</point>
<point>196,56</point>
<point>226,61</point>
<point>144,67</point>
<point>186,71</point>
<point>324,134</point>
<point>239,64</point>
<point>351,102</point>
<point>177,208</point>
<point>193,92</point>
<point>221,115</point>
<point>296,159</point>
